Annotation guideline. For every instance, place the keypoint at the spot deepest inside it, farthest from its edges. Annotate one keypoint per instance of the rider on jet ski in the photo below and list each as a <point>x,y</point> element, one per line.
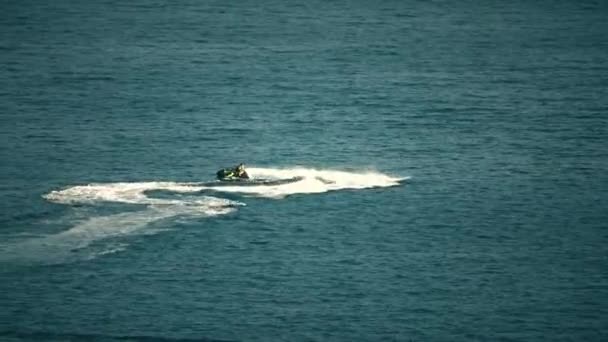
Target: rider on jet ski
<point>240,171</point>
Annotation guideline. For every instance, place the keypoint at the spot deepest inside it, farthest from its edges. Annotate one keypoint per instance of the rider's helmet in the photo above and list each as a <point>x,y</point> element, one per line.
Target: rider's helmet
<point>241,167</point>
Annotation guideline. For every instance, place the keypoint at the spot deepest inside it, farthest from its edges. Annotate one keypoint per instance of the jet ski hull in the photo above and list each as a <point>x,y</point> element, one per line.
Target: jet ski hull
<point>253,182</point>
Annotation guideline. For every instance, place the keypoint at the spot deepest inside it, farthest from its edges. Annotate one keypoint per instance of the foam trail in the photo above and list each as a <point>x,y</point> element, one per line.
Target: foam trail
<point>133,193</point>
<point>61,246</point>
<point>312,181</point>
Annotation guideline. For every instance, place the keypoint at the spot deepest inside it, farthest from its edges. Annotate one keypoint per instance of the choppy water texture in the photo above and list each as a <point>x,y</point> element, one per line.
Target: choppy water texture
<point>451,165</point>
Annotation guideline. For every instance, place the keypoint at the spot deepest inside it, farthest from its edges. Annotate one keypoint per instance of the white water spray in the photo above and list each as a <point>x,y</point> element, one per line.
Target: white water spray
<point>309,181</point>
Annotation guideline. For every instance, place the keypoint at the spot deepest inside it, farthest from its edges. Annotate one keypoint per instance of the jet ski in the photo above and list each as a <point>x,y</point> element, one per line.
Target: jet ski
<point>228,175</point>
<point>238,175</point>
<point>233,174</point>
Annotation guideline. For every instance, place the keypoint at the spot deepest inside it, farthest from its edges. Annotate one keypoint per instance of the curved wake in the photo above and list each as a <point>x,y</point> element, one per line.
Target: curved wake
<point>59,247</point>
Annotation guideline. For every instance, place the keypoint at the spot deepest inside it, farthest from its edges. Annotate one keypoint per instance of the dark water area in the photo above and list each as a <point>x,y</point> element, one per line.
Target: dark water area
<point>452,162</point>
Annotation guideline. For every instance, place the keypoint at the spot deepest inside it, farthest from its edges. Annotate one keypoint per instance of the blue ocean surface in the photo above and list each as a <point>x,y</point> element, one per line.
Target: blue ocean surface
<point>451,164</point>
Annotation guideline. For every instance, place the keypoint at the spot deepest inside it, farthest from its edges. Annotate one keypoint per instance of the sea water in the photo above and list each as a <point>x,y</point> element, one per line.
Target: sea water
<point>450,159</point>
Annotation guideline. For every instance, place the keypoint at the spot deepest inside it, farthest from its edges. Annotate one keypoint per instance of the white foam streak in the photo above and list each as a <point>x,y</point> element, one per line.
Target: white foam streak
<point>116,192</point>
<point>312,181</point>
